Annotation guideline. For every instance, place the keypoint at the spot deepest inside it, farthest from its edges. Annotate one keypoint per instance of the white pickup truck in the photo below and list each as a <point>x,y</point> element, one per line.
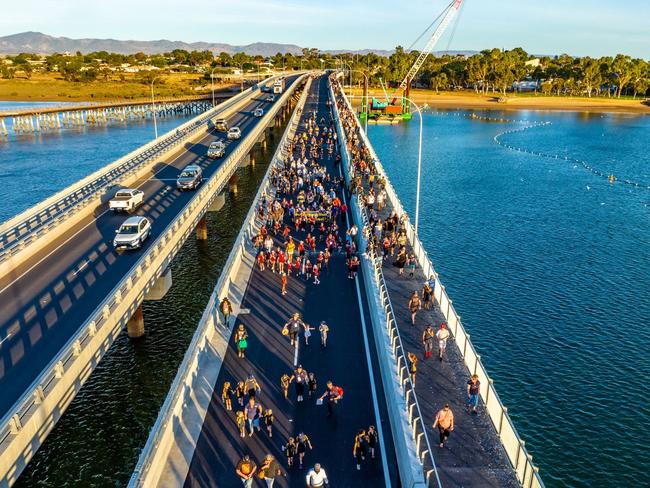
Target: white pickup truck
<point>126,200</point>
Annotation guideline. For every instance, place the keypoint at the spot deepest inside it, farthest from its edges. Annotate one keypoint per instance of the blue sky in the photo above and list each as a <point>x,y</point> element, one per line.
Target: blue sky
<point>578,27</point>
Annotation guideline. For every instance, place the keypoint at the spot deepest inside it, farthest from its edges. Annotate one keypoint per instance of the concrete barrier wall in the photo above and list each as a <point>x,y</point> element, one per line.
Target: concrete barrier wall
<point>172,439</point>
<point>521,460</point>
<point>29,421</point>
<point>31,230</point>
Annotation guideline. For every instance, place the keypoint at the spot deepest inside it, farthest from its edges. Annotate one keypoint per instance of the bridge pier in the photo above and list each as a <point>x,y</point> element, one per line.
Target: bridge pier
<point>245,161</point>
<point>232,184</point>
<point>135,325</point>
<point>161,286</point>
<point>202,230</point>
<point>218,203</point>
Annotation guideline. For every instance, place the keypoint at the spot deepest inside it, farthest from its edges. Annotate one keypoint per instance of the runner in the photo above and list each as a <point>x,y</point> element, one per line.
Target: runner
<point>311,383</point>
<point>240,418</point>
<point>414,306</point>
<point>428,340</point>
<point>373,439</point>
<point>300,377</point>
<point>285,380</point>
<point>269,418</point>
<point>324,329</point>
<point>360,448</point>
<point>284,283</point>
<point>226,394</point>
<point>317,478</point>
<point>290,451</point>
<point>308,330</point>
<point>332,396</point>
<point>292,328</point>
<point>251,386</point>
<point>413,368</point>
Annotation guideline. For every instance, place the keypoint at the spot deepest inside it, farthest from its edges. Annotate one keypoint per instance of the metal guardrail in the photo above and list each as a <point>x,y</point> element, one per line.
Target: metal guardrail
<point>23,229</point>
<point>414,415</point>
<point>113,312</point>
<point>527,473</point>
<point>162,430</point>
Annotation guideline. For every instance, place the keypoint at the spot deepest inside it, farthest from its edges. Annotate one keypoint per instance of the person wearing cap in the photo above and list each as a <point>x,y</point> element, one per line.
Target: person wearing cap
<point>317,478</point>
<point>442,335</point>
<point>270,469</point>
<point>293,327</point>
<point>246,469</point>
<point>445,423</point>
<point>301,378</point>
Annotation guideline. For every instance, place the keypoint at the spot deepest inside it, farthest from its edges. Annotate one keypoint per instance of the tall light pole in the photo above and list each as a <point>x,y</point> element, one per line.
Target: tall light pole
<point>153,108</point>
<point>212,83</point>
<point>241,81</point>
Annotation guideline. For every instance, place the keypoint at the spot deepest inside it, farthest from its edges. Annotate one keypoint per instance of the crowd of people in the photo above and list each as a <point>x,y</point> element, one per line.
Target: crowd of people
<point>387,239</point>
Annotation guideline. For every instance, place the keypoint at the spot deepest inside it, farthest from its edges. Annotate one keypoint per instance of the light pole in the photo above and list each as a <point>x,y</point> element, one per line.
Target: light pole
<point>241,81</point>
<point>212,83</point>
<point>153,109</point>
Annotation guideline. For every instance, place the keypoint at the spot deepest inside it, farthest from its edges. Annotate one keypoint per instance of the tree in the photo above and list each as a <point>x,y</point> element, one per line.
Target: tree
<point>623,69</point>
<point>591,74</point>
<point>439,80</point>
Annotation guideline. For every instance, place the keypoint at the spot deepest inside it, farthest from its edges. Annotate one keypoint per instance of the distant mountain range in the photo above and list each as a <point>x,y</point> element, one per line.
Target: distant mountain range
<point>39,43</point>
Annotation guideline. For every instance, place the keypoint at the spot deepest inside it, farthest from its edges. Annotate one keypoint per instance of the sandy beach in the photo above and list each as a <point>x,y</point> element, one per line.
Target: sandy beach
<point>471,100</point>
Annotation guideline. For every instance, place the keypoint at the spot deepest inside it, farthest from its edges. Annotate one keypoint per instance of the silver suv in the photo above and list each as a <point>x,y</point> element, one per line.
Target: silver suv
<point>132,233</point>
<point>190,178</point>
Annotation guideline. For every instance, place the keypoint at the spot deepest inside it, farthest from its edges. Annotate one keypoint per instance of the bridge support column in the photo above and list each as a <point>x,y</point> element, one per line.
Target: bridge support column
<point>161,286</point>
<point>202,230</point>
<point>135,325</point>
<point>232,184</point>
<point>245,161</point>
<point>218,203</point>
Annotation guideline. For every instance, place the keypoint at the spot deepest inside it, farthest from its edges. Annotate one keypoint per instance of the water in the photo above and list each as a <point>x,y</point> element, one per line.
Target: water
<point>548,265</point>
<point>98,440</point>
<point>36,166</point>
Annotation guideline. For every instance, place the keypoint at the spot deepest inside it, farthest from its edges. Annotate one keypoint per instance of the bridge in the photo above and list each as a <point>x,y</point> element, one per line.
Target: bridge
<point>65,293</point>
<point>67,296</point>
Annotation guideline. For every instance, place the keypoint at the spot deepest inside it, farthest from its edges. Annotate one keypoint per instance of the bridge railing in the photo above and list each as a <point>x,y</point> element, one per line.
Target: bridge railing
<point>32,417</point>
<point>382,313</point>
<point>154,455</point>
<point>527,473</point>
<point>24,229</point>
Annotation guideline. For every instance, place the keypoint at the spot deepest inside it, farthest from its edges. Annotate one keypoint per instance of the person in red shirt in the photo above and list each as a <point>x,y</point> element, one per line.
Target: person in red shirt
<point>260,260</point>
<point>308,269</point>
<point>316,271</point>
<point>284,283</point>
<point>272,260</point>
<point>281,261</point>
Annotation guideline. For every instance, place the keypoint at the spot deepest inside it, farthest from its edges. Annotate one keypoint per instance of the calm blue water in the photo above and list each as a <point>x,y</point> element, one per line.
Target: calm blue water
<point>548,264</point>
<point>33,167</point>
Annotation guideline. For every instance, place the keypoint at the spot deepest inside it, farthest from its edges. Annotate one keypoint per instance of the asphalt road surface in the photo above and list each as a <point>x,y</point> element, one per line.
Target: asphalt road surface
<point>44,301</point>
<point>269,355</point>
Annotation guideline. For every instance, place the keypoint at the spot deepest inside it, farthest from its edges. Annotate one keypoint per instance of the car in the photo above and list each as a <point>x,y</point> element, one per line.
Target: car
<point>190,178</point>
<point>258,112</point>
<point>221,125</point>
<point>126,200</point>
<point>132,233</point>
<point>234,133</point>
<point>216,149</point>
<point>270,98</point>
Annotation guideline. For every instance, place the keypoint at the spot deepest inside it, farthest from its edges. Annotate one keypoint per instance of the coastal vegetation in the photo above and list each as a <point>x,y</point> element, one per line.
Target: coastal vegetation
<point>103,75</point>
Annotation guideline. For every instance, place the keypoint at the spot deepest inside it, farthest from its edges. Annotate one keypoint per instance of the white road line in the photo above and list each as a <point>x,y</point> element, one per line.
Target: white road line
<point>8,336</point>
<point>81,268</point>
<point>371,373</point>
<point>93,221</point>
<point>295,354</point>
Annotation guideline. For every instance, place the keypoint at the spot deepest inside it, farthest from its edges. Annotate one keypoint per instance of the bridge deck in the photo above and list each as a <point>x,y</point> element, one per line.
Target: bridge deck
<point>270,355</point>
<point>473,455</point>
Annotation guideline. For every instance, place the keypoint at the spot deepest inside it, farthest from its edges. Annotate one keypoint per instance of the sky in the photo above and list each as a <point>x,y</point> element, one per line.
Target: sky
<point>576,27</point>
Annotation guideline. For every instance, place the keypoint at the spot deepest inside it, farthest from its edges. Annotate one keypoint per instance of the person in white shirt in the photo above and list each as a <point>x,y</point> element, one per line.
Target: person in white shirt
<point>442,335</point>
<point>317,477</point>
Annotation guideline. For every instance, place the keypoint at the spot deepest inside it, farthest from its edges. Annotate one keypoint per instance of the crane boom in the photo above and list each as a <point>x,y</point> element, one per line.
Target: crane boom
<point>451,11</point>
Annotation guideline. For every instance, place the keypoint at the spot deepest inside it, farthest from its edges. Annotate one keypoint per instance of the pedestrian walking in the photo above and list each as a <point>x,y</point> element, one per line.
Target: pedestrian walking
<point>413,366</point>
<point>415,304</point>
<point>302,443</point>
<point>311,383</point>
<point>412,265</point>
<point>292,328</point>
<point>226,394</point>
<point>427,295</point>
<point>284,283</point>
<point>324,329</point>
<point>442,335</point>
<point>253,412</point>
<point>445,423</point>
<point>290,450</point>
<point>269,470</point>
<point>308,330</point>
<point>226,310</point>
<point>373,439</point>
<point>240,392</point>
<point>300,378</point>
<point>241,340</point>
<point>332,395</point>
<point>240,418</point>
<point>428,340</point>
<point>246,469</point>
<point>473,392</point>
<point>269,418</point>
<point>360,448</point>
<point>285,380</point>
<point>251,386</point>
<point>317,477</point>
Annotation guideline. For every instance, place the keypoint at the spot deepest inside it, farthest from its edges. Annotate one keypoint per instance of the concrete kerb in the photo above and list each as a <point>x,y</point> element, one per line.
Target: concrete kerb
<point>167,455</point>
<point>67,372</point>
<point>410,465</point>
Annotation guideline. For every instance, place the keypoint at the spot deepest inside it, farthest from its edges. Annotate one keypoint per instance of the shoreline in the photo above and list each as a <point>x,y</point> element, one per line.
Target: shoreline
<point>469,101</point>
